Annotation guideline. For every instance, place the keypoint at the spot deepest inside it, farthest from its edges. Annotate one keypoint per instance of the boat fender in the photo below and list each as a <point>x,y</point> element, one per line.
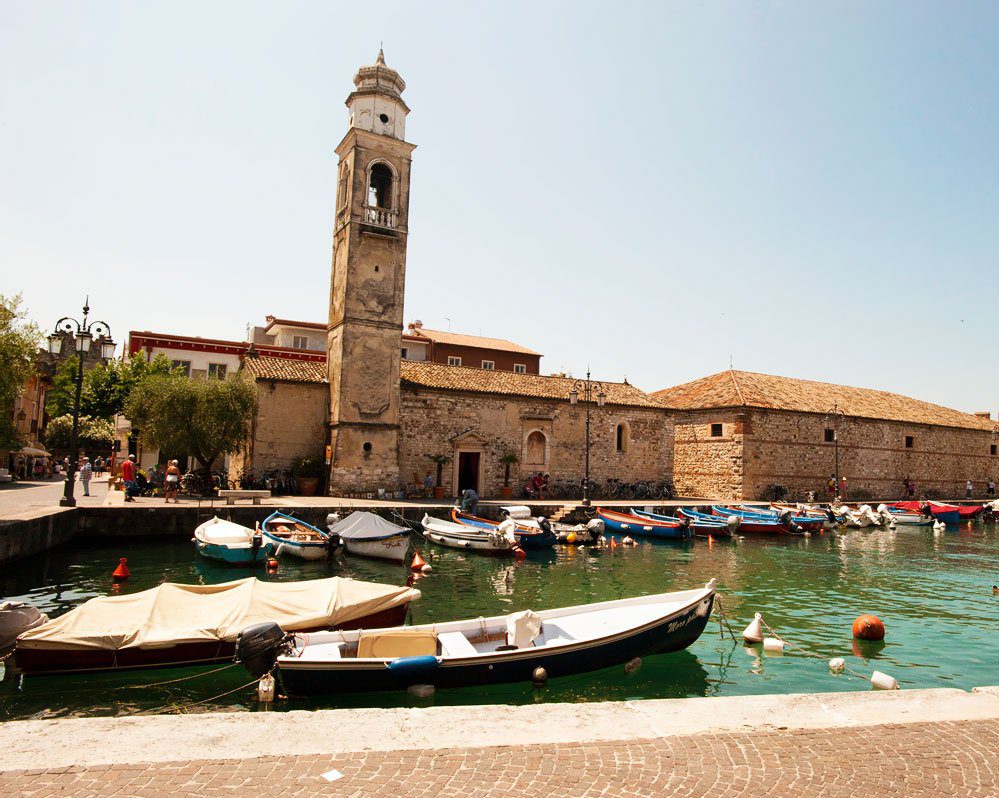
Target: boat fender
<point>882,681</point>
<point>647,528</point>
<point>754,632</point>
<point>625,526</point>
<point>265,688</point>
<point>406,666</point>
<point>837,665</point>
<point>773,645</point>
<point>633,665</point>
<point>421,690</point>
<point>539,678</point>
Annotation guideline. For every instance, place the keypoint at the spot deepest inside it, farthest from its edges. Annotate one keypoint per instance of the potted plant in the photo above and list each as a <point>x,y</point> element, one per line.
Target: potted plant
<point>440,460</point>
<point>508,459</point>
<point>308,471</point>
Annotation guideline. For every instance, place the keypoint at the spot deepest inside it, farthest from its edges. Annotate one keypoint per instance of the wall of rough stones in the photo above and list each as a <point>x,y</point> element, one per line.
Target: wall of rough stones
<point>789,449</point>
<point>439,422</point>
<point>706,466</point>
<point>290,422</point>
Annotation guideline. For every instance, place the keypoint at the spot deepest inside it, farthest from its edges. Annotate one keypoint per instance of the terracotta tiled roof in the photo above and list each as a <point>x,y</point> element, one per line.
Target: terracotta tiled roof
<point>311,325</point>
<point>746,389</point>
<point>285,370</point>
<point>457,339</point>
<point>422,374</point>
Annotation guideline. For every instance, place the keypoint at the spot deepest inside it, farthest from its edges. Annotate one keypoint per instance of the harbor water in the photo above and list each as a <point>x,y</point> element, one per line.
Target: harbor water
<point>932,590</point>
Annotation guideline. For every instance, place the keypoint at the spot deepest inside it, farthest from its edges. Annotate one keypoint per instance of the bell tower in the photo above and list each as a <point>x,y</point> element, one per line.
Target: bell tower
<point>364,335</point>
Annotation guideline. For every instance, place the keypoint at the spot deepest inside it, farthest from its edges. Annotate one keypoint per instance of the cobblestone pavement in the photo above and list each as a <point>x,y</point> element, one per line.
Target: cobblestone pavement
<point>911,760</point>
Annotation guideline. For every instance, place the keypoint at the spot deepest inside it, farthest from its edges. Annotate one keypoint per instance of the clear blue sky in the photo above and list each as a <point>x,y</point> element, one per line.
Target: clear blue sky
<point>808,189</point>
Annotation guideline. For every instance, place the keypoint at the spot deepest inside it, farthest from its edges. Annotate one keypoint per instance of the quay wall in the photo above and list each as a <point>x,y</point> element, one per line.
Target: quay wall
<point>546,436</point>
<point>36,532</point>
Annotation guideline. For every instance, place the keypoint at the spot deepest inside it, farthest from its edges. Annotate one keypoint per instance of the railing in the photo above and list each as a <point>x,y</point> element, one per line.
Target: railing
<point>381,217</point>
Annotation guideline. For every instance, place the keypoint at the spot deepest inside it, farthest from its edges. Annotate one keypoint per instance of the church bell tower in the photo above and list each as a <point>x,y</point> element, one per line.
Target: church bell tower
<point>364,336</point>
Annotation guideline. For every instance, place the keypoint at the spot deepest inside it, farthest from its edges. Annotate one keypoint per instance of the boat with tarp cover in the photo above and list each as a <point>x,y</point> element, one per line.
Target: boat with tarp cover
<point>480,651</point>
<point>174,624</point>
<point>369,535</point>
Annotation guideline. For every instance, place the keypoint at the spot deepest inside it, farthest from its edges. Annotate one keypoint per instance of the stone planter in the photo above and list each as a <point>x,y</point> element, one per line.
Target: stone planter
<point>439,492</point>
<point>307,486</point>
<point>506,492</point>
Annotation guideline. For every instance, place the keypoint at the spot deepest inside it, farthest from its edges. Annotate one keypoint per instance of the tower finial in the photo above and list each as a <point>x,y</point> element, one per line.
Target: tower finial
<point>381,54</point>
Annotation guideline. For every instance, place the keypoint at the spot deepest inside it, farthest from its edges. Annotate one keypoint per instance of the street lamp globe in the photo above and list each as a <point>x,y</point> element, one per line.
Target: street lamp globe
<point>55,343</point>
<point>107,347</point>
<point>573,396</point>
<point>83,341</point>
<point>601,399</point>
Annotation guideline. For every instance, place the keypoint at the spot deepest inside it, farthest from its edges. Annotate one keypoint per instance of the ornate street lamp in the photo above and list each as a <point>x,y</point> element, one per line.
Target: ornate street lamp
<point>591,391</point>
<point>837,417</point>
<point>83,335</point>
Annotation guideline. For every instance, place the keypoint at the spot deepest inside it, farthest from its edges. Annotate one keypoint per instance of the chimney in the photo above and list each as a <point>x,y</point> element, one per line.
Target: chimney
<point>984,414</point>
<point>270,319</point>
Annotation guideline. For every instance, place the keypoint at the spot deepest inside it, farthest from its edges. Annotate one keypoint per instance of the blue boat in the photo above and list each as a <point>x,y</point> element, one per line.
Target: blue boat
<point>224,541</point>
<point>716,528</point>
<point>528,536</point>
<point>290,535</point>
<point>629,524</point>
<point>747,523</point>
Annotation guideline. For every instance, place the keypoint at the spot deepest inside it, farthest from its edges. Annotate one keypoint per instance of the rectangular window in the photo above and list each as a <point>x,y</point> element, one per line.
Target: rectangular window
<point>908,441</point>
<point>520,368</point>
<point>216,371</point>
<point>716,430</point>
<point>453,361</point>
<point>183,365</point>
<point>488,365</point>
<point>992,450</point>
<point>405,353</point>
<point>300,342</point>
<point>830,435</point>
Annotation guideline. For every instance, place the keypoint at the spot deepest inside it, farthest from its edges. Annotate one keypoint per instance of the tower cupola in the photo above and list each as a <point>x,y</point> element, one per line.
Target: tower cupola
<point>376,103</point>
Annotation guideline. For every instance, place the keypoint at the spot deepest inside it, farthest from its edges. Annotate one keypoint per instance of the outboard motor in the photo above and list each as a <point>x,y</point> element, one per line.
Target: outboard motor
<point>595,526</point>
<point>545,525</point>
<point>332,519</point>
<point>258,647</point>
<point>332,544</point>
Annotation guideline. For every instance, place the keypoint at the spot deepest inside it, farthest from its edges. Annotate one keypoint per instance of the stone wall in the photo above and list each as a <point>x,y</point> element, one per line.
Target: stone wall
<point>789,449</point>
<point>706,465</point>
<point>290,422</point>
<point>439,422</point>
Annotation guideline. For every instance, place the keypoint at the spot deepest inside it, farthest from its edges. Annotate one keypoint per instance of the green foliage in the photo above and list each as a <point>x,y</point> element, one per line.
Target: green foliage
<point>508,459</point>
<point>96,435</point>
<point>205,418</point>
<point>308,467</point>
<point>441,460</point>
<point>106,386</point>
<point>19,339</point>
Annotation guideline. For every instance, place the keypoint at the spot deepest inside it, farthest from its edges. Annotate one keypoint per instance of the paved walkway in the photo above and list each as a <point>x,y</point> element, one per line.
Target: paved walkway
<point>18,498</point>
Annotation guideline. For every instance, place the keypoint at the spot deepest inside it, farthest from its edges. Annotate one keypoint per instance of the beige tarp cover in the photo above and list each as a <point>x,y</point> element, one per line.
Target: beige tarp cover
<point>171,614</point>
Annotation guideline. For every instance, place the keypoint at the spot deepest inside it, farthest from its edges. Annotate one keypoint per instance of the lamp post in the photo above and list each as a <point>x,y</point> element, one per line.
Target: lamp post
<point>837,417</point>
<point>83,334</point>
<point>591,391</point>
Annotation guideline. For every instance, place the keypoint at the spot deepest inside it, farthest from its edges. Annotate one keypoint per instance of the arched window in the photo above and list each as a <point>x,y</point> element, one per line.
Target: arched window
<point>534,454</point>
<point>380,187</point>
<point>622,436</point>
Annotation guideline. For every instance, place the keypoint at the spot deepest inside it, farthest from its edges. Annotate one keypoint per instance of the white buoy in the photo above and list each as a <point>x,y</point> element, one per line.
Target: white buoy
<point>265,688</point>
<point>754,632</point>
<point>427,568</point>
<point>837,664</point>
<point>773,645</point>
<point>421,690</point>
<point>883,681</point>
<point>539,677</point>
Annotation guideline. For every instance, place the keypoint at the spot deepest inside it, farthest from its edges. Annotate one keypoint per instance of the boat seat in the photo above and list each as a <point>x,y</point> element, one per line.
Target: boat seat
<point>455,644</point>
<point>397,643</point>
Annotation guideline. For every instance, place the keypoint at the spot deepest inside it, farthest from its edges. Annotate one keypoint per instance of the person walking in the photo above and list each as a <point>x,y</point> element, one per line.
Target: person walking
<point>831,486</point>
<point>128,473</point>
<point>842,487</point>
<point>86,472</point>
<point>991,489</point>
<point>172,483</point>
<point>910,487</point>
<point>967,489</point>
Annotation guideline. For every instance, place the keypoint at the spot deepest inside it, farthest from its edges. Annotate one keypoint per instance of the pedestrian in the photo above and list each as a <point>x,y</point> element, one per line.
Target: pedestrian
<point>428,486</point>
<point>98,466</point>
<point>534,486</point>
<point>831,486</point>
<point>469,501</point>
<point>86,472</point>
<point>172,483</point>
<point>910,486</point>
<point>128,474</point>
<point>544,486</point>
<point>991,489</point>
<point>967,488</point>
<point>842,487</point>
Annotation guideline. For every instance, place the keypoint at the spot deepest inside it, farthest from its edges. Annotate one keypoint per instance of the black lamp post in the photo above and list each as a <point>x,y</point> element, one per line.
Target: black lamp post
<point>83,334</point>
<point>591,391</point>
<point>837,417</point>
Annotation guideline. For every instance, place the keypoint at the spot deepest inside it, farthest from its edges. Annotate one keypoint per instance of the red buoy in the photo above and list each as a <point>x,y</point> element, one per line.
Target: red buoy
<point>519,553</point>
<point>868,627</point>
<point>121,573</point>
<point>272,564</point>
<point>418,562</point>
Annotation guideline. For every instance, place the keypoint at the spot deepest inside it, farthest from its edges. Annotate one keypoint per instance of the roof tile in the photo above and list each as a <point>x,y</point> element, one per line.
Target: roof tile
<point>284,369</point>
<point>477,341</point>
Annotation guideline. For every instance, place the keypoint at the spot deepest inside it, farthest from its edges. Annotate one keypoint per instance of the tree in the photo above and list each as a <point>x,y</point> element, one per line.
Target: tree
<point>440,460</point>
<point>106,386</point>
<point>204,418</point>
<point>508,459</point>
<point>95,435</point>
<point>19,339</point>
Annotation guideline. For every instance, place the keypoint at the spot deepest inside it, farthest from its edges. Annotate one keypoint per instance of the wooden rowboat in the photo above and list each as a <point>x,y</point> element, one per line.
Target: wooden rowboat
<point>529,536</point>
<point>628,524</point>
<point>290,535</point>
<point>466,538</point>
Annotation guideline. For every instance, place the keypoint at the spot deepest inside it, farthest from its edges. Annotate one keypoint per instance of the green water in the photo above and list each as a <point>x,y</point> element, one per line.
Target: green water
<point>933,591</point>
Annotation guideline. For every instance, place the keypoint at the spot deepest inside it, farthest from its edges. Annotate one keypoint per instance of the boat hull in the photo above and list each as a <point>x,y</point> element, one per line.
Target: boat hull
<point>529,537</point>
<point>46,661</point>
<point>700,529</point>
<point>393,548</point>
<point>625,524</point>
<point>231,555</point>
<point>670,633</point>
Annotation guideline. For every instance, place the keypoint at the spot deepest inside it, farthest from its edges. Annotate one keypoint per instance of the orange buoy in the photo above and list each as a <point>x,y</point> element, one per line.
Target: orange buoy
<point>272,564</point>
<point>519,553</point>
<point>121,573</point>
<point>418,562</point>
<point>868,627</point>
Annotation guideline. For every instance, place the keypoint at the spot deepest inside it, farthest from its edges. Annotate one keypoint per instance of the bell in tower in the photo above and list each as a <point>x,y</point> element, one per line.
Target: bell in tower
<point>364,338</point>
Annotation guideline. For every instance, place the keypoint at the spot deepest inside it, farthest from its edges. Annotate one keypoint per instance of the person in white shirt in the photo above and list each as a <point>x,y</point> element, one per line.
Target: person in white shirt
<point>86,472</point>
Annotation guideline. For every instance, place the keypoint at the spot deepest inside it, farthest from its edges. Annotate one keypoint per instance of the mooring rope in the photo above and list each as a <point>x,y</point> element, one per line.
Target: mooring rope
<point>175,681</point>
<point>722,620</point>
<point>807,653</point>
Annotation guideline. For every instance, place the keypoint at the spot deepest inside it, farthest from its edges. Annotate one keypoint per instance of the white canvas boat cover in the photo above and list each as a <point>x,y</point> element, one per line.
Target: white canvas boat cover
<point>172,613</point>
<point>361,525</point>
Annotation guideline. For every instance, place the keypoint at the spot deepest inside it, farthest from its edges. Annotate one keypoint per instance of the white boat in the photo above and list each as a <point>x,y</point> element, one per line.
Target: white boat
<point>912,519</point>
<point>590,532</point>
<point>17,617</point>
<point>460,536</point>
<point>290,535</point>
<point>231,543</point>
<point>369,535</point>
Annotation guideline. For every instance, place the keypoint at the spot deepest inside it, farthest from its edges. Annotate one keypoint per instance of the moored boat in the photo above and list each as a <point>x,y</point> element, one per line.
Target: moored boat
<point>17,617</point>
<point>947,513</point>
<point>747,522</point>
<point>528,536</point>
<point>228,542</point>
<point>479,651</point>
<point>701,528</point>
<point>467,538</point>
<point>290,535</point>
<point>369,535</point>
<point>628,524</point>
<point>172,624</point>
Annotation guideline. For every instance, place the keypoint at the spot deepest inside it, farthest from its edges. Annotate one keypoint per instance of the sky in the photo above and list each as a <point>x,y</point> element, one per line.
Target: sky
<point>655,191</point>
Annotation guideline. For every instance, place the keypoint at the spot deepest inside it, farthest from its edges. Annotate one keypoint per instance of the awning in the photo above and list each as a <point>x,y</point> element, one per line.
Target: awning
<point>34,452</point>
